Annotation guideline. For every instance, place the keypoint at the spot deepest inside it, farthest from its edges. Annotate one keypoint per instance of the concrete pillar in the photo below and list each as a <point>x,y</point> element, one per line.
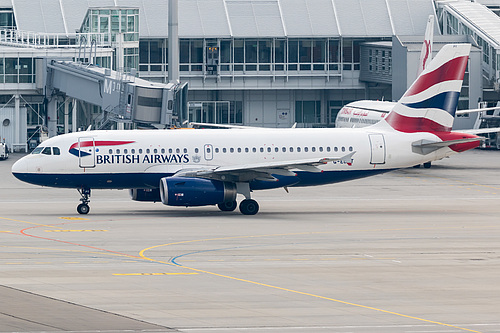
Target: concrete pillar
<point>66,115</point>
<point>173,41</point>
<point>17,121</point>
<point>74,123</point>
<point>52,117</point>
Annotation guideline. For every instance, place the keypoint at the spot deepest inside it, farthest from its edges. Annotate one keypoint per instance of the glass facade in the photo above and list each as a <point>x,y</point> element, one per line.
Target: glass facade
<point>112,22</point>
<point>265,57</point>
<point>7,19</point>
<point>17,70</point>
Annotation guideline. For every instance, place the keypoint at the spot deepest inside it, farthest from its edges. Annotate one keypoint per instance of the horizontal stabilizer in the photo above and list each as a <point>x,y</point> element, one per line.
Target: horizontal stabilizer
<point>481,130</point>
<point>425,147</point>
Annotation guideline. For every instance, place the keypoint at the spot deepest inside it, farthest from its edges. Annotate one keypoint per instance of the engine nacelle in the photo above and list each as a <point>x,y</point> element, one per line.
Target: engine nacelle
<point>184,191</point>
<point>149,195</point>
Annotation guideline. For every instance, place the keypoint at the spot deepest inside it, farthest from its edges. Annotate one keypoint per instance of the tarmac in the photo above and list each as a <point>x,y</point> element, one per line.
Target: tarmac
<point>413,250</point>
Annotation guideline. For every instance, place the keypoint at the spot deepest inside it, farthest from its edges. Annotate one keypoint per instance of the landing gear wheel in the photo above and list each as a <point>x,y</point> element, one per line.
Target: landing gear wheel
<point>228,206</point>
<point>427,165</point>
<point>83,209</point>
<point>249,207</point>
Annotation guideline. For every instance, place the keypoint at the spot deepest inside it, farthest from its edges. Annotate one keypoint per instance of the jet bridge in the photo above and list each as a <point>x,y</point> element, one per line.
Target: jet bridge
<point>124,97</point>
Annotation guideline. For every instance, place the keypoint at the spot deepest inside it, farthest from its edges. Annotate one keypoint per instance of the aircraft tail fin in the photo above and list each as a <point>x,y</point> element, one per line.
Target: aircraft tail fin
<point>430,103</point>
<point>426,52</point>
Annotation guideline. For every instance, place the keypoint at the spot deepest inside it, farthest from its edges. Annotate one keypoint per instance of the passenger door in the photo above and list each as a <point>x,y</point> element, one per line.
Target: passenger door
<point>377,143</point>
<point>86,152</point>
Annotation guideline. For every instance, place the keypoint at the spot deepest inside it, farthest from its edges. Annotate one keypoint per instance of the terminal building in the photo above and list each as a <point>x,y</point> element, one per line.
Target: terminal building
<point>267,63</point>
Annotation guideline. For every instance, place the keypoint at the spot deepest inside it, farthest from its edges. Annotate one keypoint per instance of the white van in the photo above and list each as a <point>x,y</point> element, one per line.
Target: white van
<point>4,151</point>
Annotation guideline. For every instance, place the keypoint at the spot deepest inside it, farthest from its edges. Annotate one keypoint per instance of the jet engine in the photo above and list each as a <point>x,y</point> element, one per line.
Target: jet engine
<point>184,191</point>
<point>150,195</point>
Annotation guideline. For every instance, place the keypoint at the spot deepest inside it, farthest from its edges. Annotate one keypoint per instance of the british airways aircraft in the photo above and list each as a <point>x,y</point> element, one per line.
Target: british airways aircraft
<point>211,167</point>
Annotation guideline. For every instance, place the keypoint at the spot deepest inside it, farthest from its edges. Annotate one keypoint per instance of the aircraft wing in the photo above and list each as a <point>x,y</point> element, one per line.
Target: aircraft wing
<point>263,170</point>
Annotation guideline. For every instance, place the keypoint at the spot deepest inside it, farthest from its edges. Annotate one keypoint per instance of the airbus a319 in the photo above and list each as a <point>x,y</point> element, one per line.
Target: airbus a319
<point>212,167</point>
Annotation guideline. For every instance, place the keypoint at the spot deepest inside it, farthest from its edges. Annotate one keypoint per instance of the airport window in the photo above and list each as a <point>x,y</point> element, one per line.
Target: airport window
<point>56,151</point>
<point>308,111</point>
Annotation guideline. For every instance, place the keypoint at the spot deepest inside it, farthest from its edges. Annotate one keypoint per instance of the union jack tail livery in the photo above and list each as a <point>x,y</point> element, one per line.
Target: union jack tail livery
<point>430,103</point>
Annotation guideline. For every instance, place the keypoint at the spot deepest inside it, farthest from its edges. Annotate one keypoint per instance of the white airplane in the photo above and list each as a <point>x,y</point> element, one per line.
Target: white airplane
<point>196,167</point>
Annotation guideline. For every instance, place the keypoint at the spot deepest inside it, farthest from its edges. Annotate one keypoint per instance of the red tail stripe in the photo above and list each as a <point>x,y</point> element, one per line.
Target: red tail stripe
<point>452,70</point>
<point>412,125</point>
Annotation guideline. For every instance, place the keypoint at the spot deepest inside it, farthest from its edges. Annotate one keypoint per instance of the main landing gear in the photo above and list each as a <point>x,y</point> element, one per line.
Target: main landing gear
<point>247,206</point>
<point>84,207</point>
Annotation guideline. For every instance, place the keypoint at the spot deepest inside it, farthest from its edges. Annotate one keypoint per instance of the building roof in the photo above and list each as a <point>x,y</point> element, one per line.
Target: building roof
<point>239,18</point>
<point>479,17</point>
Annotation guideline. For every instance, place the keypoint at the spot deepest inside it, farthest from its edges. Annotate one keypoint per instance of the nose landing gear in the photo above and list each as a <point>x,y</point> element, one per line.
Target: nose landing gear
<point>84,207</point>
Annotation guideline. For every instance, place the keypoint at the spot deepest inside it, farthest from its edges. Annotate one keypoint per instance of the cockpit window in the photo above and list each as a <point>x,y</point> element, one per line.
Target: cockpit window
<point>37,150</point>
<point>56,151</point>
<point>47,151</point>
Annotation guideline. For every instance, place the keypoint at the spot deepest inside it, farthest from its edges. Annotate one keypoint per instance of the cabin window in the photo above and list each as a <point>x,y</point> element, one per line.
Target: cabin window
<point>163,150</point>
<point>351,149</point>
<point>343,148</point>
<point>268,149</point>
<point>155,151</point>
<point>56,151</point>
<point>37,150</point>
<point>313,149</point>
<point>283,149</point>
<point>254,149</point>
<point>177,151</point>
<point>140,150</point>
<point>321,149</point>
<point>261,149</point>
<point>118,151</point>
<point>247,150</point>
<point>170,150</point>
<point>185,150</point>
<point>125,151</point>
<point>224,150</point>
<point>276,149</point>
<point>196,150</point>
<point>306,149</point>
<point>239,150</point>
<point>291,149</point>
<point>216,150</point>
<point>132,151</point>
<point>328,149</point>
<point>111,151</point>
<point>231,150</point>
<point>47,151</point>
<point>335,149</point>
<point>147,151</point>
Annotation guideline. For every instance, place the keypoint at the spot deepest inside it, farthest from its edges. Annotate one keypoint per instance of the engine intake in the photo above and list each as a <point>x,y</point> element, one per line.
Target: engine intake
<point>184,191</point>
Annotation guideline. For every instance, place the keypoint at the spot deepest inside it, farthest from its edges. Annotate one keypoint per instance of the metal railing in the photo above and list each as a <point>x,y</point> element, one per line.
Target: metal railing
<point>18,38</point>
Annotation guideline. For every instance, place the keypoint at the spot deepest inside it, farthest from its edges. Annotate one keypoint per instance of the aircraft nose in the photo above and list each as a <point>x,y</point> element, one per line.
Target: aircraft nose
<point>21,166</point>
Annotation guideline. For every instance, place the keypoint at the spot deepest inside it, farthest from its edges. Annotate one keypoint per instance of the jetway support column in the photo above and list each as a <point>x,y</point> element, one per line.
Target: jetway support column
<point>74,110</point>
<point>66,115</point>
<point>52,117</point>
<point>17,123</point>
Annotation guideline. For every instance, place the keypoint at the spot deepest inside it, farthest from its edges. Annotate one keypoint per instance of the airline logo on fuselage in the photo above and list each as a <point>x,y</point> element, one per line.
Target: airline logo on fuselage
<point>77,149</point>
